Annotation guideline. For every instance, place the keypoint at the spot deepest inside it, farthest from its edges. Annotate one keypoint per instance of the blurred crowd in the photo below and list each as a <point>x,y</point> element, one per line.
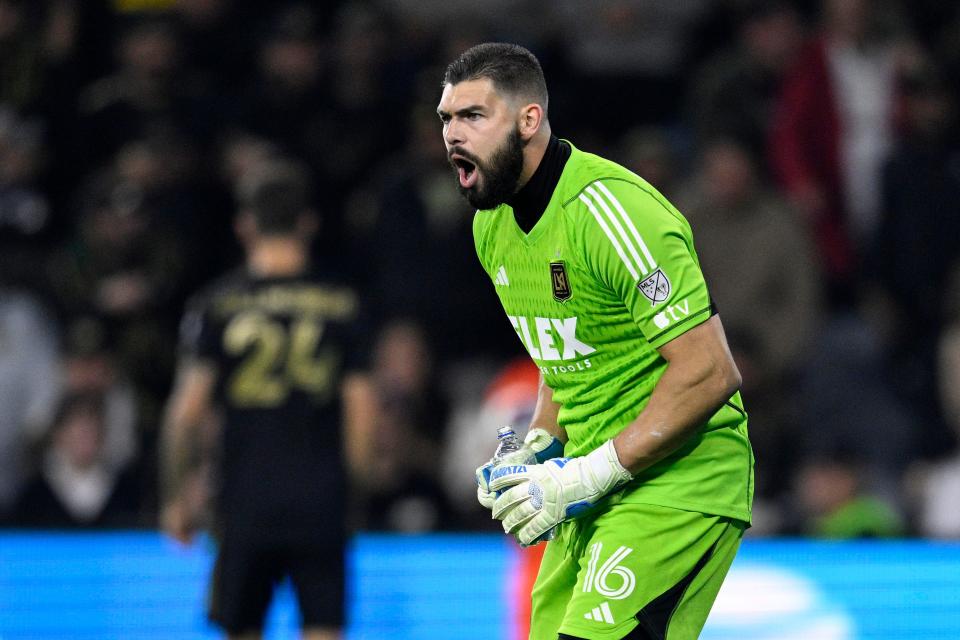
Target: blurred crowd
<point>812,145</point>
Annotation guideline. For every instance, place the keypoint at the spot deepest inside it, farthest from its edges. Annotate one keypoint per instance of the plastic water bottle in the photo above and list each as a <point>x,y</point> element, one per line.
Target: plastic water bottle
<point>508,442</point>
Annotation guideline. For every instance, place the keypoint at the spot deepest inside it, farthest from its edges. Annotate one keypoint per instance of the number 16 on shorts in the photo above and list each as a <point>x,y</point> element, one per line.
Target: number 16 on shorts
<point>602,580</point>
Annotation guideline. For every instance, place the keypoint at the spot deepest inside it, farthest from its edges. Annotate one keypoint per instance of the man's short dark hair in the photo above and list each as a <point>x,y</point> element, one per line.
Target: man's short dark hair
<point>512,69</point>
<point>280,194</point>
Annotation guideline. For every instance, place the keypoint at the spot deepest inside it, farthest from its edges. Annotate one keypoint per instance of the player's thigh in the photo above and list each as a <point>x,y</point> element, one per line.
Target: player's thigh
<point>243,579</point>
<point>317,572</point>
<point>639,563</point>
<point>687,617</point>
<point>555,581</point>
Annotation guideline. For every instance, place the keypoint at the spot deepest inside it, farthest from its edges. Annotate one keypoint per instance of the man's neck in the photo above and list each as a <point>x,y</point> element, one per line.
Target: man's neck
<point>533,155</point>
<point>531,200</point>
<point>277,257</point>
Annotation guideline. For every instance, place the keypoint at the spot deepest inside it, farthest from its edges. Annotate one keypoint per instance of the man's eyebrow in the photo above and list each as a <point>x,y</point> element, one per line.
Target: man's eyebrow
<point>474,108</point>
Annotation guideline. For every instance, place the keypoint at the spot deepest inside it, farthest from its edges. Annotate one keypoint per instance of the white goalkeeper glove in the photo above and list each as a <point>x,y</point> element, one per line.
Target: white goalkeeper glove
<point>539,444</point>
<point>540,496</point>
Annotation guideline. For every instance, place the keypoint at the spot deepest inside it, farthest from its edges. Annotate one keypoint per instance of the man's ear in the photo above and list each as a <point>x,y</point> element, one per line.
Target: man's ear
<point>531,120</point>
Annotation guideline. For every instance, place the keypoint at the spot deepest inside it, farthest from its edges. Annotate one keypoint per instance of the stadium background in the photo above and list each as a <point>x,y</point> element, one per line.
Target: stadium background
<point>812,146</point>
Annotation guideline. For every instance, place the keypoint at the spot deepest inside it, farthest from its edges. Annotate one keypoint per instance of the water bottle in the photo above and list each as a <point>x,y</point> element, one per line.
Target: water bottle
<point>507,442</point>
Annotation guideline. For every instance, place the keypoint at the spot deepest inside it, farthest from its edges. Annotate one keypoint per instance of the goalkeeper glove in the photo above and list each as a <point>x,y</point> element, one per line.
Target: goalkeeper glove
<point>538,445</point>
<point>541,496</point>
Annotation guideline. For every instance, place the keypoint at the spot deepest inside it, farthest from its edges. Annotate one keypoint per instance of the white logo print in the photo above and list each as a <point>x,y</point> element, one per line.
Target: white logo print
<point>501,280</point>
<point>600,614</point>
<point>656,287</point>
<point>677,311</point>
<point>600,580</point>
<point>550,338</point>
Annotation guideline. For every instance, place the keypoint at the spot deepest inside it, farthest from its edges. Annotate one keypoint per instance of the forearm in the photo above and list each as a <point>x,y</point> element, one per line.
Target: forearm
<point>546,413</point>
<point>184,415</point>
<point>689,392</point>
<point>174,457</point>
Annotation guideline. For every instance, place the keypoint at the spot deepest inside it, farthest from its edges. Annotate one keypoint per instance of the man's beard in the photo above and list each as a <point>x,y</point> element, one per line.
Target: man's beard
<point>500,174</point>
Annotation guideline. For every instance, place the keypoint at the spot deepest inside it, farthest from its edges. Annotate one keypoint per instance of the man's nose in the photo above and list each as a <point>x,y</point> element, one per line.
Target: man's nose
<point>453,135</point>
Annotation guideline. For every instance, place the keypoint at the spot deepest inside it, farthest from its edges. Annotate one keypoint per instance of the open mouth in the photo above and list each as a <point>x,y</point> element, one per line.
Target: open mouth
<point>466,170</point>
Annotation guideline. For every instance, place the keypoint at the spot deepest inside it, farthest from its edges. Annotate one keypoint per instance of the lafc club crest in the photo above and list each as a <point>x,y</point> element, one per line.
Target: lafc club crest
<point>656,287</point>
<point>561,284</point>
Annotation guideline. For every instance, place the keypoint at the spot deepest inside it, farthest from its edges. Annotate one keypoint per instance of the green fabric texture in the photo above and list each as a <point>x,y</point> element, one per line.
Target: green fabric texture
<point>605,568</point>
<point>607,275</point>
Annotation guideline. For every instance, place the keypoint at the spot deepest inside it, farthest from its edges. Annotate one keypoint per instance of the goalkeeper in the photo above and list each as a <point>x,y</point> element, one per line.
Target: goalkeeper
<point>598,275</point>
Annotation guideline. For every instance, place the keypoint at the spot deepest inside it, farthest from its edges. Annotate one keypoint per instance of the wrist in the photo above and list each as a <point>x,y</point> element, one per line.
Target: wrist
<point>604,468</point>
<point>544,445</point>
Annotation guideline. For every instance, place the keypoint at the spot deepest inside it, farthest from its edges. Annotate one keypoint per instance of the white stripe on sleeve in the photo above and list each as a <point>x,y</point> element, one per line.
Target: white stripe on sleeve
<point>627,242</point>
<point>613,240</point>
<point>630,225</point>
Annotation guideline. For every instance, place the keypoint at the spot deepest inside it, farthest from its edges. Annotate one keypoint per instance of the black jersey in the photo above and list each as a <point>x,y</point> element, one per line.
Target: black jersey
<point>280,347</point>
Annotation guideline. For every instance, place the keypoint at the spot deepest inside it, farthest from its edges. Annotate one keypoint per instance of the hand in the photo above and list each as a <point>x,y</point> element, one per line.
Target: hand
<point>177,522</point>
<point>543,495</point>
<point>183,514</point>
<point>538,444</point>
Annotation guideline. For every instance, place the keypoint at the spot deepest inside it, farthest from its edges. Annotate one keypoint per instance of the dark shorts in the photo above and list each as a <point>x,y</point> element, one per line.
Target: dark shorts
<point>248,570</point>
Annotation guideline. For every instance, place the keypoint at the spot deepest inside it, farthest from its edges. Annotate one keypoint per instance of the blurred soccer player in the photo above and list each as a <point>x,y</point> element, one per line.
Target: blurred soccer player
<point>271,346</point>
<point>598,275</point>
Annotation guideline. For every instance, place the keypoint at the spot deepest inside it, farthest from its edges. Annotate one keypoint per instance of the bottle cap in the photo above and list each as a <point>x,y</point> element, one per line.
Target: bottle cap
<point>505,431</point>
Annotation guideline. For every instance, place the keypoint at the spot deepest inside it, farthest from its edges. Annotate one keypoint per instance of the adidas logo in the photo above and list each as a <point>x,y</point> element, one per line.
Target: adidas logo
<point>501,280</point>
<point>600,614</point>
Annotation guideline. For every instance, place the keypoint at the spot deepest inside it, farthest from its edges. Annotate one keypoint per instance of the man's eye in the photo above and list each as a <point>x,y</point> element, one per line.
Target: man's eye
<point>473,116</point>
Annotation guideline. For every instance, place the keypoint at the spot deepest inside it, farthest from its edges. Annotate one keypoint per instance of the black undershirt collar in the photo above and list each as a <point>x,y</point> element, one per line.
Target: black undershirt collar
<point>531,201</point>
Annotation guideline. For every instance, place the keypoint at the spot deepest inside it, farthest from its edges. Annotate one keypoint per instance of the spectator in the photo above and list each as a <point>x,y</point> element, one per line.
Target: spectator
<point>125,267</point>
<point>399,489</point>
<point>651,153</point>
<point>25,212</point>
<point>733,93</point>
<point>936,485</point>
<point>848,401</point>
<point>629,55</point>
<point>763,277</point>
<point>90,369</point>
<point>832,131</point>
<point>29,385</point>
<point>418,222</point>
<point>835,504</point>
<point>75,486</point>
<point>151,88</point>
<point>917,243</point>
<point>26,50</point>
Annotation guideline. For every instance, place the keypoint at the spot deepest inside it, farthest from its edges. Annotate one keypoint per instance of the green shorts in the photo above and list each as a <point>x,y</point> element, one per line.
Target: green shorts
<point>630,566</point>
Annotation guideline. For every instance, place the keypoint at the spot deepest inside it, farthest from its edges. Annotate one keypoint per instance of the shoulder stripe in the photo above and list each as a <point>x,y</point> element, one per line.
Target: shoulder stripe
<point>613,240</point>
<point>630,225</point>
<point>627,242</point>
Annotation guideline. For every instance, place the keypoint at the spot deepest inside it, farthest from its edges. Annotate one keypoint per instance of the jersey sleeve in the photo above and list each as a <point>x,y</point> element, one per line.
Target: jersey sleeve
<point>640,247</point>
<point>198,337</point>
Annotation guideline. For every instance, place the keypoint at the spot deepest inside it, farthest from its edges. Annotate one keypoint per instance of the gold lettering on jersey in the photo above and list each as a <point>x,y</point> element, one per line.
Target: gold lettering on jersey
<point>561,284</point>
<point>276,359</point>
<point>314,301</point>
<point>551,339</point>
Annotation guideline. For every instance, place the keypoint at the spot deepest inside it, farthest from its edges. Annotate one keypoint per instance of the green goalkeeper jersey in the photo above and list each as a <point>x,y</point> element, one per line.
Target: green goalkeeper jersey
<point>606,276</point>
